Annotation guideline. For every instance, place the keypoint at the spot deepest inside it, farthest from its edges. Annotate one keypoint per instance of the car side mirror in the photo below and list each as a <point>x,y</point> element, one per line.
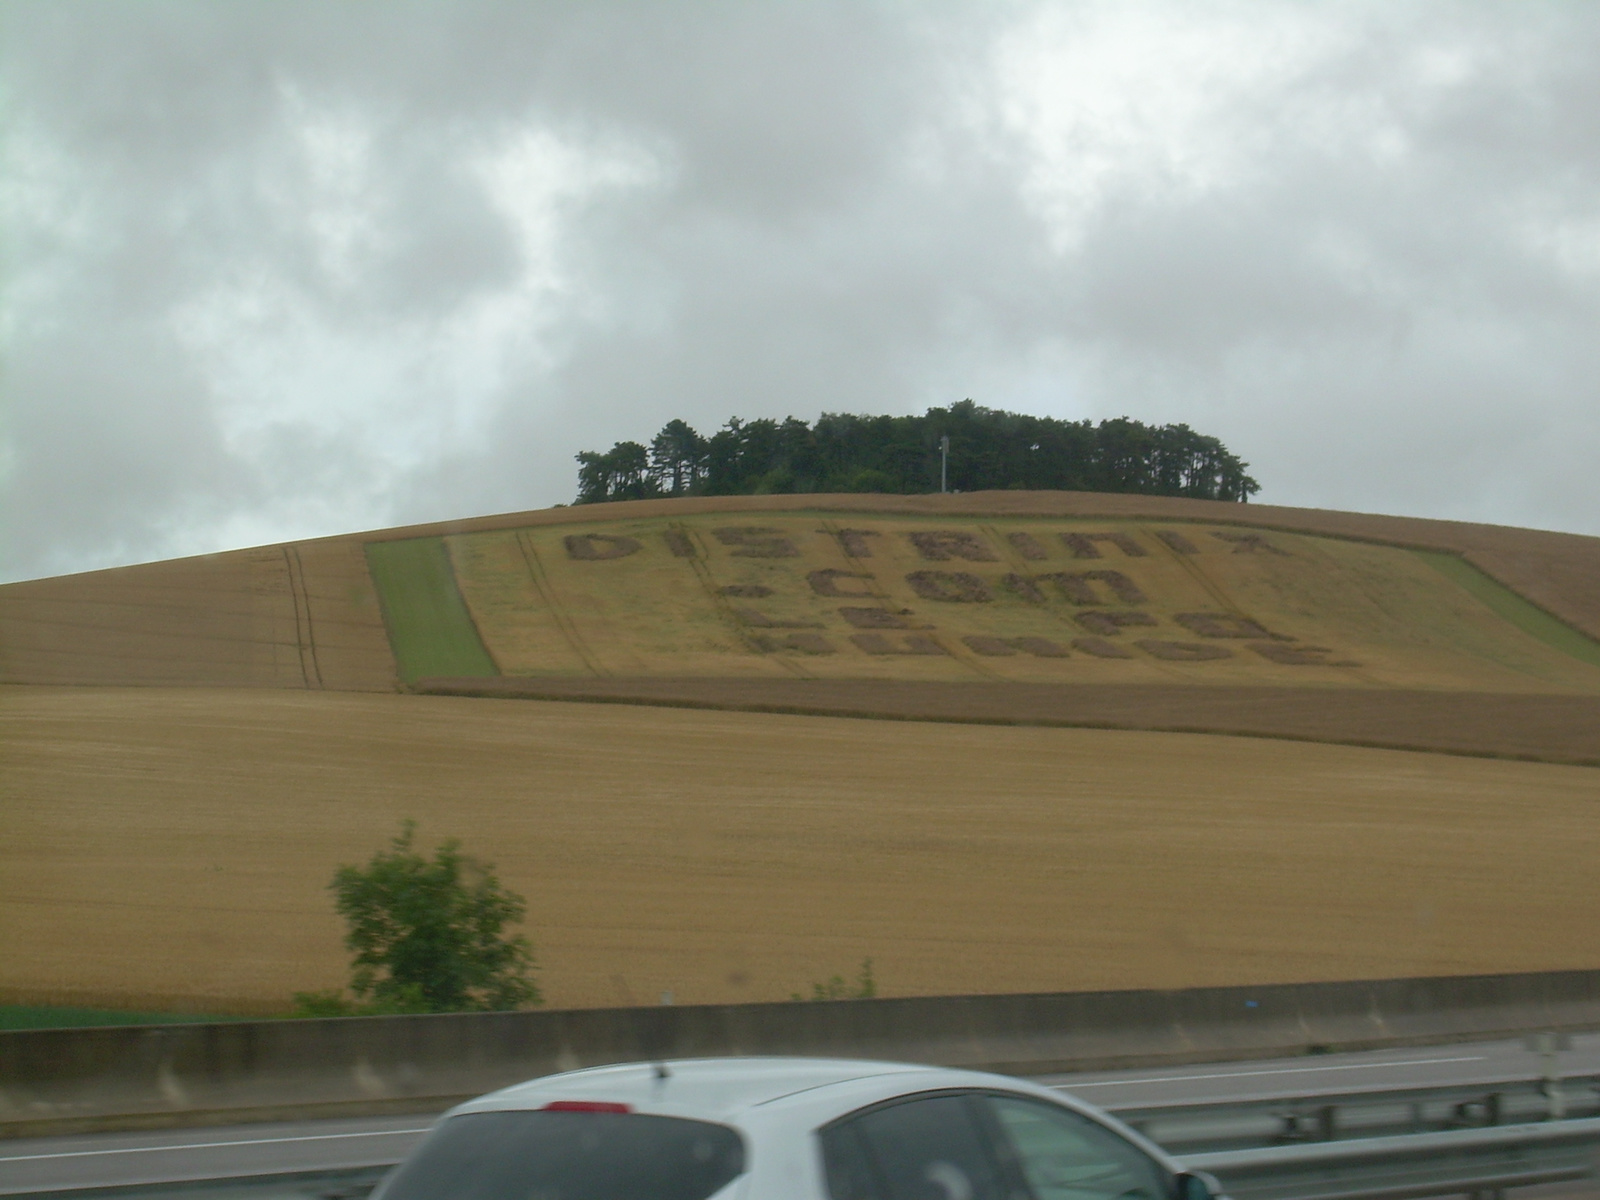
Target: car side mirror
<point>1198,1185</point>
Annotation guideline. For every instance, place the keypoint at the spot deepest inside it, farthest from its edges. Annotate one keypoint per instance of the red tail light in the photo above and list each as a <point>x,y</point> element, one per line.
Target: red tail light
<point>601,1106</point>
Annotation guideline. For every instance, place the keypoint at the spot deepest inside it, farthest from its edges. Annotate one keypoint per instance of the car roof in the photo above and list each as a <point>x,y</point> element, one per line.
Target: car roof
<point>708,1088</point>
<point>756,1093</point>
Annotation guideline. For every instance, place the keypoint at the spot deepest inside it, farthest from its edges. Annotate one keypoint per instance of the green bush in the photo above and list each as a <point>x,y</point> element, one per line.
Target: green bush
<point>835,987</point>
<point>426,936</point>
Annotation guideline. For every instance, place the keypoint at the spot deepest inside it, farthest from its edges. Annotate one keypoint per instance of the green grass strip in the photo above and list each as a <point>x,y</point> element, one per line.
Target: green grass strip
<point>430,630</point>
<point>37,1016</point>
<point>1525,615</point>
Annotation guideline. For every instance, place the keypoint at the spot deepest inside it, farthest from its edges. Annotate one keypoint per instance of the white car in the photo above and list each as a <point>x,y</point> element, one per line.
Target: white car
<point>784,1129</point>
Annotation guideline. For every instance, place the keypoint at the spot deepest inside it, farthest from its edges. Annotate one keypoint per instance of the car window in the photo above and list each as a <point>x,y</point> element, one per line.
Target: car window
<point>851,1175</point>
<point>569,1156</point>
<point>932,1148</point>
<point>1065,1156</point>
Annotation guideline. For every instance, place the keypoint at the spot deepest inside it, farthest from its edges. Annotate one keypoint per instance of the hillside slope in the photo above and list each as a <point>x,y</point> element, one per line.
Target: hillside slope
<point>740,601</point>
<point>170,842</point>
<point>307,614</point>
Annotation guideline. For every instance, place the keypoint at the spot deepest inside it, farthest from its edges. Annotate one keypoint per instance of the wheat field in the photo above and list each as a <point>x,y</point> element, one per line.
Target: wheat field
<point>171,847</point>
<point>804,596</point>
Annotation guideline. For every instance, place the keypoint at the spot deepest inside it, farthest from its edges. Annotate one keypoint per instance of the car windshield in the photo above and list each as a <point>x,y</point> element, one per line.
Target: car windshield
<point>569,1156</point>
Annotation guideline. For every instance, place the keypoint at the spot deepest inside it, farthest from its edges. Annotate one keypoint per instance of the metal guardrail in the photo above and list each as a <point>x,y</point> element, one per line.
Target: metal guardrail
<point>354,1183</point>
<point>1457,1162</point>
<point>1268,1119</point>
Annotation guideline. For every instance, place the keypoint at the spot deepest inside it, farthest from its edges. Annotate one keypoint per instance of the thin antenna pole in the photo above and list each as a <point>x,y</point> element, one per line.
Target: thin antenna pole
<point>944,462</point>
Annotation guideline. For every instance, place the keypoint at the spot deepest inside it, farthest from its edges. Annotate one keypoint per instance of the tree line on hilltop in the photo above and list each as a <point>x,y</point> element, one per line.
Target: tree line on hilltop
<point>989,449</point>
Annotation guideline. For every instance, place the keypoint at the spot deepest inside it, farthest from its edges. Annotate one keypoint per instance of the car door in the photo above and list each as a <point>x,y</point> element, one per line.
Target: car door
<point>930,1147</point>
<point>984,1146</point>
<point>1065,1155</point>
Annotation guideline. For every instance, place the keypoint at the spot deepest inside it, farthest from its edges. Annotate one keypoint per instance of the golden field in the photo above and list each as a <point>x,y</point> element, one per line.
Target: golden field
<point>958,600</point>
<point>308,616</point>
<point>164,847</point>
<point>190,748</point>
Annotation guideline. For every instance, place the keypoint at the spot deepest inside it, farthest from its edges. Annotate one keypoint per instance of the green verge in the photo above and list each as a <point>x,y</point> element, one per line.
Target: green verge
<point>34,1016</point>
<point>430,630</point>
<point>1505,603</point>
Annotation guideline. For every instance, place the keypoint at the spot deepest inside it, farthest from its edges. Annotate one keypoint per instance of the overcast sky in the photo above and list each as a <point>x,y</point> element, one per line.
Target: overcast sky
<point>277,270</point>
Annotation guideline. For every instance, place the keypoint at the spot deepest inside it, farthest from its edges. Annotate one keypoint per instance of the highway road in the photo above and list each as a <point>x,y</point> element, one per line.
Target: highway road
<point>1428,1066</point>
<point>122,1159</point>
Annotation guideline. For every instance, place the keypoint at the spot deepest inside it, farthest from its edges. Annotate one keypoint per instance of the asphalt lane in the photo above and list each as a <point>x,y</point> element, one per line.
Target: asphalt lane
<point>168,1156</point>
<point>120,1159</point>
<point>1428,1066</point>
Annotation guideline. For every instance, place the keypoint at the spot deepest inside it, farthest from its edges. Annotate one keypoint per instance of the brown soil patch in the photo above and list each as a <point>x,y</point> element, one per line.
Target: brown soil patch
<point>163,846</point>
<point>1557,729</point>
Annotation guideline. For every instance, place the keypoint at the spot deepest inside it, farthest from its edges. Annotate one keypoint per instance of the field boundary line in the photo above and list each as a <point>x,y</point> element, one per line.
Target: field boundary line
<point>429,687</point>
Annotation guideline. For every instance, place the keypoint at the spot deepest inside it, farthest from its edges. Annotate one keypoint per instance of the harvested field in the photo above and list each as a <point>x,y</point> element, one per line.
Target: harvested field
<point>953,601</point>
<point>169,847</point>
<point>163,847</point>
<point>298,616</point>
<point>576,592</point>
<point>1559,572</point>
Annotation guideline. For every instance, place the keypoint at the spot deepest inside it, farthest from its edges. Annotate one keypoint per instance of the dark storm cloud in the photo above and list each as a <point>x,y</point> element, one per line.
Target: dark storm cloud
<point>281,269</point>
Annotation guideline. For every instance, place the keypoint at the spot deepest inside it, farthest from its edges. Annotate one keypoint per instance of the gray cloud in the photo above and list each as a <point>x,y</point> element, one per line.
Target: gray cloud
<point>277,270</point>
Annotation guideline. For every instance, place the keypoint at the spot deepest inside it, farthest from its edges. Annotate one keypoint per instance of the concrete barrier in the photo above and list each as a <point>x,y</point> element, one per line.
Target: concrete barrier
<point>72,1080</point>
